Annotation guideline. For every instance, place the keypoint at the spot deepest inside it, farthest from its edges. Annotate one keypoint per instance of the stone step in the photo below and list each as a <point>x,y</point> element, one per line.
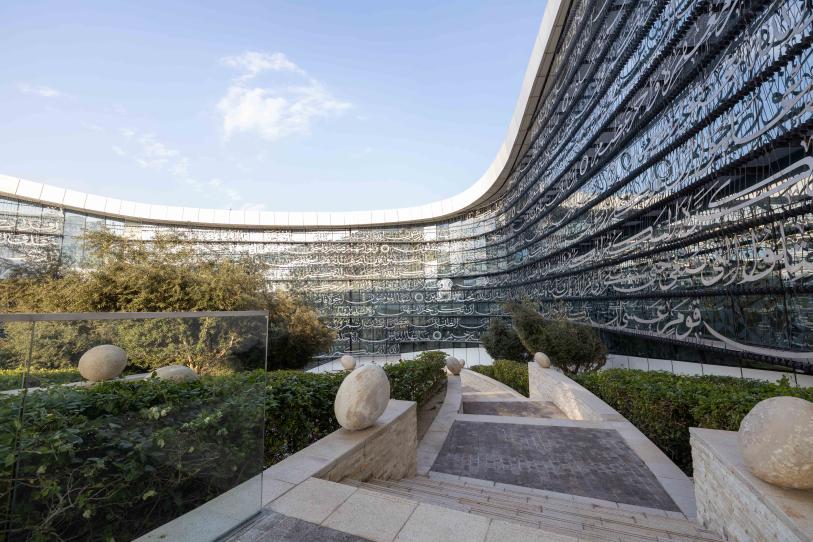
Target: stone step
<point>588,522</point>
<point>519,495</point>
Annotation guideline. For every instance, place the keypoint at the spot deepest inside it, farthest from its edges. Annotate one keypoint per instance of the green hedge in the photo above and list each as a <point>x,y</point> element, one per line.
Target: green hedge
<point>11,379</point>
<point>513,374</point>
<point>299,406</point>
<point>121,458</point>
<point>663,405</point>
<point>117,459</point>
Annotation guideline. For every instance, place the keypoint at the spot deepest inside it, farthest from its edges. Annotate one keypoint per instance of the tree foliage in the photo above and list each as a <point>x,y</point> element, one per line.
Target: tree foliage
<point>502,342</point>
<point>167,274</point>
<point>572,347</point>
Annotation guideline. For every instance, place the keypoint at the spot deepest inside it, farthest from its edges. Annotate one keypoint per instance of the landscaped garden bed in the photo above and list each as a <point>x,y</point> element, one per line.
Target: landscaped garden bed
<point>117,459</point>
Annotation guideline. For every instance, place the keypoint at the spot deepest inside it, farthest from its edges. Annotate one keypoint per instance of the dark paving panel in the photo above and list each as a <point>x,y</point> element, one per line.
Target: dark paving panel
<point>272,526</point>
<point>588,462</point>
<point>529,409</point>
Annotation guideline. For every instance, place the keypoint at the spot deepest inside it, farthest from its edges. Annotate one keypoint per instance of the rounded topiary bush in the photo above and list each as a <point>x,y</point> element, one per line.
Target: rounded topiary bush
<point>502,342</point>
<point>574,348</point>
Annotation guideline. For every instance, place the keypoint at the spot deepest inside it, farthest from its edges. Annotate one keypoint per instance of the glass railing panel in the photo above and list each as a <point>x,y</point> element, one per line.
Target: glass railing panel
<point>174,443</point>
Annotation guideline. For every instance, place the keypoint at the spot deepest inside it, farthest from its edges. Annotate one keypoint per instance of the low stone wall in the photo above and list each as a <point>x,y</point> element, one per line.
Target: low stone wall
<point>573,399</point>
<point>736,504</point>
<point>388,454</point>
<point>386,450</point>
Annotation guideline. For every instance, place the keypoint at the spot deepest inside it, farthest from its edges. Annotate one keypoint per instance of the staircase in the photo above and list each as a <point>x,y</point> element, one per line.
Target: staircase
<point>583,520</point>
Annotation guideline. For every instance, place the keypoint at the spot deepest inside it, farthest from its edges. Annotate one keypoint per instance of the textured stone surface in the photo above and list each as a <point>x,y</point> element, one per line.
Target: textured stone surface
<point>593,463</point>
<point>542,360</point>
<point>362,397</point>
<point>371,515</point>
<point>389,455</point>
<point>737,505</point>
<point>103,362</point>
<point>176,373</point>
<point>532,409</point>
<point>280,528</point>
<point>574,400</point>
<point>430,523</point>
<point>454,365</point>
<point>776,439</point>
<point>348,362</point>
<point>312,500</point>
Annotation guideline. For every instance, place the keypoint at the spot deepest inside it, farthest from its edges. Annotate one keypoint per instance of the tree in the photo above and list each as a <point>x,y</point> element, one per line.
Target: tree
<point>295,332</point>
<point>501,342</point>
<point>168,274</point>
<point>574,348</point>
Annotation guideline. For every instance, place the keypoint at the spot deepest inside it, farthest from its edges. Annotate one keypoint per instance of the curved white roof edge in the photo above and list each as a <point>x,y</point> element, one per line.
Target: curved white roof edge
<point>481,192</point>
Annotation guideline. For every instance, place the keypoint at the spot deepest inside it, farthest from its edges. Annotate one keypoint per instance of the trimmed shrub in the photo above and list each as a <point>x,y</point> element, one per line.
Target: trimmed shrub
<point>299,406</point>
<point>513,374</point>
<point>664,405</point>
<point>502,342</point>
<point>572,347</point>
<point>417,380</point>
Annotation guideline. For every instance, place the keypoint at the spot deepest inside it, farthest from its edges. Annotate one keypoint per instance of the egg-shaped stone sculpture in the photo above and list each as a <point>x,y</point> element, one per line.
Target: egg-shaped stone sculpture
<point>176,373</point>
<point>542,360</point>
<point>776,441</point>
<point>348,362</point>
<point>103,362</point>
<point>362,397</point>
<point>453,364</point>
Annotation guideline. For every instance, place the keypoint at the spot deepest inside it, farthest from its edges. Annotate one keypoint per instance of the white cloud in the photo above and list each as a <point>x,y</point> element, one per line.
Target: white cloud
<point>150,153</point>
<point>39,90</point>
<point>92,127</point>
<point>274,112</point>
<point>252,63</point>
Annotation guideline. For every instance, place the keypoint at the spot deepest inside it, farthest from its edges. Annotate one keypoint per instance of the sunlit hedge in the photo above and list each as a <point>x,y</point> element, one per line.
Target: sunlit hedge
<point>664,405</point>
<point>513,374</point>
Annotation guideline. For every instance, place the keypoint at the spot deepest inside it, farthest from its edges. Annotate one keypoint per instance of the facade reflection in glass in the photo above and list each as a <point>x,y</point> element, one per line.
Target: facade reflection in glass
<point>663,189</point>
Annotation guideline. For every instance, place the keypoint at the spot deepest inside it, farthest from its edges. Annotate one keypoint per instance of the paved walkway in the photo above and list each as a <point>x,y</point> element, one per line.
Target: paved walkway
<point>496,466</point>
<point>584,459</point>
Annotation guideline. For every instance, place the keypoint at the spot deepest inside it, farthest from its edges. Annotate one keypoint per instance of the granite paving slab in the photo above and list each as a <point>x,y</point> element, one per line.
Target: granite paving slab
<point>588,462</point>
<point>280,528</point>
<point>529,409</point>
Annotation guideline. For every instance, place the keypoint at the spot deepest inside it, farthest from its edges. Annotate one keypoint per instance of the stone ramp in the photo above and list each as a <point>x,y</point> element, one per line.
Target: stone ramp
<point>540,515</point>
<point>477,387</point>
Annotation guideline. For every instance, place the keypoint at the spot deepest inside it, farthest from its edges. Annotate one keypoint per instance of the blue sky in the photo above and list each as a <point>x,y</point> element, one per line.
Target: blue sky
<point>307,106</point>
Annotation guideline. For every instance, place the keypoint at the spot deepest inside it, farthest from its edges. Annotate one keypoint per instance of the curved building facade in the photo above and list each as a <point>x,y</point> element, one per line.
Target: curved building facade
<point>655,182</point>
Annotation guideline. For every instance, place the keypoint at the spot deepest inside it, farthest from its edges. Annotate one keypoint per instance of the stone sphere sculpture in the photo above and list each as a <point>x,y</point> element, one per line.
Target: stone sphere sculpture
<point>176,373</point>
<point>776,440</point>
<point>348,362</point>
<point>103,362</point>
<point>462,362</point>
<point>542,360</point>
<point>454,365</point>
<point>362,398</point>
